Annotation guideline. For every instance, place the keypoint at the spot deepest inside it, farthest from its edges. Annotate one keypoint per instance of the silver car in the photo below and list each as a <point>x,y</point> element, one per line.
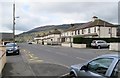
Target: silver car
<point>105,66</point>
<point>99,44</point>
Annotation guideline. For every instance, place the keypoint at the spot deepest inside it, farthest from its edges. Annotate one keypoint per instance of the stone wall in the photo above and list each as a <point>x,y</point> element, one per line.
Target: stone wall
<point>2,59</point>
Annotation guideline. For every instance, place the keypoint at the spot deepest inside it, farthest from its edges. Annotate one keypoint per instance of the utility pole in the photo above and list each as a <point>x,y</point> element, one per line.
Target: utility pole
<point>13,22</point>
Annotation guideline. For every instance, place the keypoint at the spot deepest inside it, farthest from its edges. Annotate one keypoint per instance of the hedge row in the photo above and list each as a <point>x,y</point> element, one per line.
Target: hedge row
<point>80,40</point>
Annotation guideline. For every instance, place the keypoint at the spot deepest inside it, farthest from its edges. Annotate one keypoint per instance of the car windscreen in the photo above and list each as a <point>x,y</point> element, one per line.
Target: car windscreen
<point>10,45</point>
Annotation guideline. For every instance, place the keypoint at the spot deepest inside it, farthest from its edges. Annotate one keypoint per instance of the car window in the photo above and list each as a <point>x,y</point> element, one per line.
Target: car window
<point>116,70</point>
<point>100,66</point>
<point>100,42</point>
<point>11,44</point>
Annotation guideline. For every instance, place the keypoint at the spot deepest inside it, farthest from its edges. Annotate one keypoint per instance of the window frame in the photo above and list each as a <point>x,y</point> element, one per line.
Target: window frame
<point>98,59</point>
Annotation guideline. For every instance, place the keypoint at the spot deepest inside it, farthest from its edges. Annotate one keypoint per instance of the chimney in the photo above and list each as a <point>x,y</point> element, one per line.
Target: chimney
<point>94,18</point>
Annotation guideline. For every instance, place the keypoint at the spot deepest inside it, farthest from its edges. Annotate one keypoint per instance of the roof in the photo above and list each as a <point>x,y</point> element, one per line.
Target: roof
<point>116,55</point>
<point>97,22</point>
<point>74,26</point>
<point>55,31</point>
<point>5,36</point>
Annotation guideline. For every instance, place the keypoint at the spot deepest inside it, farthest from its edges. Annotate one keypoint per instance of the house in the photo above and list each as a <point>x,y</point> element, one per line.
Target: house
<point>67,35</point>
<point>52,37</point>
<point>6,37</point>
<point>96,28</point>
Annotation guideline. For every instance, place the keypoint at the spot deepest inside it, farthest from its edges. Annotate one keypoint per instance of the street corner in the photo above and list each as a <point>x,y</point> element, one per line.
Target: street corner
<point>49,69</point>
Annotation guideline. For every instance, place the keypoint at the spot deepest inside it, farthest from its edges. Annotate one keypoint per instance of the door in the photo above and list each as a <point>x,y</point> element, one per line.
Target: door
<point>97,68</point>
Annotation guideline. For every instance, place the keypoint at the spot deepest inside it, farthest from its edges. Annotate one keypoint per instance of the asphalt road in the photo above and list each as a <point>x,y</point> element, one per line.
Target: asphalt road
<point>39,60</point>
<point>62,55</point>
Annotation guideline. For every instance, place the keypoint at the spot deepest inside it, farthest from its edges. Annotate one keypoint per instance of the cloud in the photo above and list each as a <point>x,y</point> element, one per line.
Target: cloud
<point>34,14</point>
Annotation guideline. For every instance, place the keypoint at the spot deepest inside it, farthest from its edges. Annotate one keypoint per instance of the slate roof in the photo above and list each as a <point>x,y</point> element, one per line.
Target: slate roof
<point>97,22</point>
<point>5,36</point>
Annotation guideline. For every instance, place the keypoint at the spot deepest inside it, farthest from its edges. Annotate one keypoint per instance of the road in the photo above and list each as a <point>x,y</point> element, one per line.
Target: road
<point>41,60</point>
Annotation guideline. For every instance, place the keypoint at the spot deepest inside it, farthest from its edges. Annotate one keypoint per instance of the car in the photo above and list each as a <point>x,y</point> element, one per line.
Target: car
<point>104,66</point>
<point>99,44</point>
<point>29,42</point>
<point>12,48</point>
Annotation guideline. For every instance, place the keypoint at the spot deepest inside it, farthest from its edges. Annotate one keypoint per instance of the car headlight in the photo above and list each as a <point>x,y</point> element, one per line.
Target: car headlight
<point>16,48</point>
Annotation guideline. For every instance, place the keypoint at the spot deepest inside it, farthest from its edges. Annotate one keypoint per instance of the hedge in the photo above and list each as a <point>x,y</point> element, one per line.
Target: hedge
<point>80,40</point>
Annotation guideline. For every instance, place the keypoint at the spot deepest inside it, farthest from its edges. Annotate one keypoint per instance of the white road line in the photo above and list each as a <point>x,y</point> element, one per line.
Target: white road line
<point>65,75</point>
<point>81,58</point>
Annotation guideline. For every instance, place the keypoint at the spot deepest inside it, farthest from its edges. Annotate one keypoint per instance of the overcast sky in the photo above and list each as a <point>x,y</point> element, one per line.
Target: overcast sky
<point>41,13</point>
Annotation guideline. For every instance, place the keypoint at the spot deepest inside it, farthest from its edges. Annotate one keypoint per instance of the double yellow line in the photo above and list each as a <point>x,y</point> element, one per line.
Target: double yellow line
<point>31,57</point>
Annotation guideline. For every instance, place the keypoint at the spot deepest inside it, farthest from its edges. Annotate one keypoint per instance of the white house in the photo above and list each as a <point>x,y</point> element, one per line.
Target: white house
<point>67,35</point>
<point>96,28</point>
<point>52,37</point>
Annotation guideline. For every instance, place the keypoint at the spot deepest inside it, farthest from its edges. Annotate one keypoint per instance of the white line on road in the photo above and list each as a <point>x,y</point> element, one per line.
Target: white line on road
<point>81,58</point>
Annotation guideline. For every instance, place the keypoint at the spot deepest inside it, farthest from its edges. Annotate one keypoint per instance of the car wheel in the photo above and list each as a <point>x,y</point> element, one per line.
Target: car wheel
<point>72,75</point>
<point>99,47</point>
<point>7,54</point>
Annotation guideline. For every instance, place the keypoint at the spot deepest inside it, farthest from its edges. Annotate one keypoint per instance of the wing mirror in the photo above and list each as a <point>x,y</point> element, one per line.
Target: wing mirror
<point>84,68</point>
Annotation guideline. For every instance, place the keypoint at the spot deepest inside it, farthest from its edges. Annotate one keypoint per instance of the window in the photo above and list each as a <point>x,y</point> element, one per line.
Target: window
<point>94,29</point>
<point>100,66</point>
<point>82,31</point>
<point>75,32</point>
<point>88,30</point>
<point>78,31</point>
<point>110,31</point>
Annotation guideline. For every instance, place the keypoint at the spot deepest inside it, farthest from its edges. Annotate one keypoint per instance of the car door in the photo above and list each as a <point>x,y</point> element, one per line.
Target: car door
<point>96,68</point>
<point>116,71</point>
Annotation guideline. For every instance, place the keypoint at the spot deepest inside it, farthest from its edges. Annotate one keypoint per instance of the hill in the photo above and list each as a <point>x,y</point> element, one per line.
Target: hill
<point>29,35</point>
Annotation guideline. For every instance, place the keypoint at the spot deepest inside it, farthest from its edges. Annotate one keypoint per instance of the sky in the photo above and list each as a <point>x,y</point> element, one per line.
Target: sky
<point>36,13</point>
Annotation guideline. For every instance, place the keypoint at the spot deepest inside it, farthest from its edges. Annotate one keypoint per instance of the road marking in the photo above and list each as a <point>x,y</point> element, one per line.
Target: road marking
<point>36,57</point>
<point>31,59</point>
<point>64,75</point>
<point>81,58</point>
<point>39,60</point>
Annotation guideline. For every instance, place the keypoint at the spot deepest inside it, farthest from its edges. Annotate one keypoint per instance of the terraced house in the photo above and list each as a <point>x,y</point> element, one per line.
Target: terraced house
<point>52,37</point>
<point>96,28</point>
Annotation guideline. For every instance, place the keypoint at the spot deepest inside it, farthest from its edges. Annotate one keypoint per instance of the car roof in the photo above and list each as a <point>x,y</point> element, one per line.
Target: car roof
<point>11,43</point>
<point>116,55</point>
<point>98,40</point>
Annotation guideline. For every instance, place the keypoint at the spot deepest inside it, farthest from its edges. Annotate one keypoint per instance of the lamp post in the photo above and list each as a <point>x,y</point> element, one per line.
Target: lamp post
<point>71,37</point>
<point>14,22</point>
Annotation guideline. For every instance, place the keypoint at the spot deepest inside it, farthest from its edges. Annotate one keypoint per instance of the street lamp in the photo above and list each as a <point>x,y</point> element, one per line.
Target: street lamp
<point>14,22</point>
<point>71,36</point>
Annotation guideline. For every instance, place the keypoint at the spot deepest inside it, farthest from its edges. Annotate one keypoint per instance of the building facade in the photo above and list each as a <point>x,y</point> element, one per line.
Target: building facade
<point>53,37</point>
<point>6,37</point>
<point>96,28</point>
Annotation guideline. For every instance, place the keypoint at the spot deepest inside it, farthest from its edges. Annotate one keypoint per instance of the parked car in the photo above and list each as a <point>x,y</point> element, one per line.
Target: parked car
<point>105,66</point>
<point>99,44</point>
<point>12,48</point>
<point>29,42</point>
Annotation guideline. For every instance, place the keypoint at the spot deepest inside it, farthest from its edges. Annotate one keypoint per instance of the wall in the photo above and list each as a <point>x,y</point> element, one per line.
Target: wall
<point>2,59</point>
<point>114,46</point>
<point>104,32</point>
<point>74,45</point>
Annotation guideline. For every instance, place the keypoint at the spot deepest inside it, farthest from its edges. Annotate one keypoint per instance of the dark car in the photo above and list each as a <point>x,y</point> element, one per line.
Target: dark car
<point>12,48</point>
<point>105,66</point>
